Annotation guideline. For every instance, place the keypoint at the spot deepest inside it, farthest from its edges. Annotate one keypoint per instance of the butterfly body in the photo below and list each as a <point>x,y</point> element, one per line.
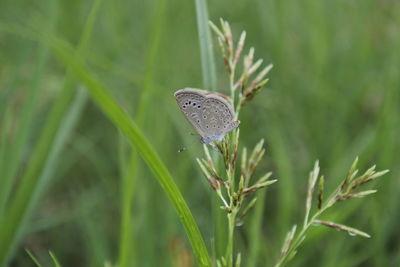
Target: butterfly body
<point>210,113</point>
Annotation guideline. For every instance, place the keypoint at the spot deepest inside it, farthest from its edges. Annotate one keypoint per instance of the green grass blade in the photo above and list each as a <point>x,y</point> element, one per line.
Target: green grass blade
<point>255,230</point>
<point>20,204</point>
<point>55,260</point>
<point>126,244</point>
<point>128,127</point>
<point>206,47</point>
<point>126,250</point>
<point>210,83</point>
<point>286,179</point>
<point>148,86</point>
<point>34,259</point>
<point>67,126</point>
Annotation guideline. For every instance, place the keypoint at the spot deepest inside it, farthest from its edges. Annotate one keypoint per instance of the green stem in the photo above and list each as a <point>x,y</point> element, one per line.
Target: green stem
<point>231,230</point>
<point>299,238</point>
<point>238,106</point>
<point>231,174</point>
<point>232,83</point>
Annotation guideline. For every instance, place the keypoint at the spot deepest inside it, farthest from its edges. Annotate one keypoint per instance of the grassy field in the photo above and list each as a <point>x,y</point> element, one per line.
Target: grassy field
<point>70,182</point>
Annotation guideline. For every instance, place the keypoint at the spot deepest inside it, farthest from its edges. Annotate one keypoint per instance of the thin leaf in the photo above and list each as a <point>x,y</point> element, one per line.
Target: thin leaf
<point>206,47</point>
<point>255,230</point>
<point>55,260</point>
<point>34,259</point>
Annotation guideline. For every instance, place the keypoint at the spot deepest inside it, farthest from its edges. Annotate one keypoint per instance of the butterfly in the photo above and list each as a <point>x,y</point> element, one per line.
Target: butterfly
<point>211,115</point>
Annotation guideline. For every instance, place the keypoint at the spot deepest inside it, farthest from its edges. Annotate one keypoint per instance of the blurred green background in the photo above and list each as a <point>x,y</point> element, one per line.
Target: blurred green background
<point>333,95</point>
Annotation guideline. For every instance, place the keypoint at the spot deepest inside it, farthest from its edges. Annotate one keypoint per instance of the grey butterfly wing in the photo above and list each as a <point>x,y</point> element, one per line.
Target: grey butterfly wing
<point>190,102</point>
<point>232,125</point>
<point>217,117</point>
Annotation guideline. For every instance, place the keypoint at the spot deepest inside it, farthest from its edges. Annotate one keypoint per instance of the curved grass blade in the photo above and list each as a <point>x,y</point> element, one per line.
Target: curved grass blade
<point>33,258</point>
<point>55,260</point>
<point>128,127</point>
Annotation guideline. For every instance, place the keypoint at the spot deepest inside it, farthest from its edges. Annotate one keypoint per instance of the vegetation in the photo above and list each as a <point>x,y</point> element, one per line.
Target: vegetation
<point>88,120</point>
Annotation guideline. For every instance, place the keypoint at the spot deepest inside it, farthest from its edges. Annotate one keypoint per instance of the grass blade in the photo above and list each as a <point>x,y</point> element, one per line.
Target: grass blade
<point>34,259</point>
<point>125,257</point>
<point>206,47</point>
<point>210,83</point>
<point>67,126</point>
<point>128,127</point>
<point>55,260</point>
<point>126,251</point>
<point>255,230</point>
